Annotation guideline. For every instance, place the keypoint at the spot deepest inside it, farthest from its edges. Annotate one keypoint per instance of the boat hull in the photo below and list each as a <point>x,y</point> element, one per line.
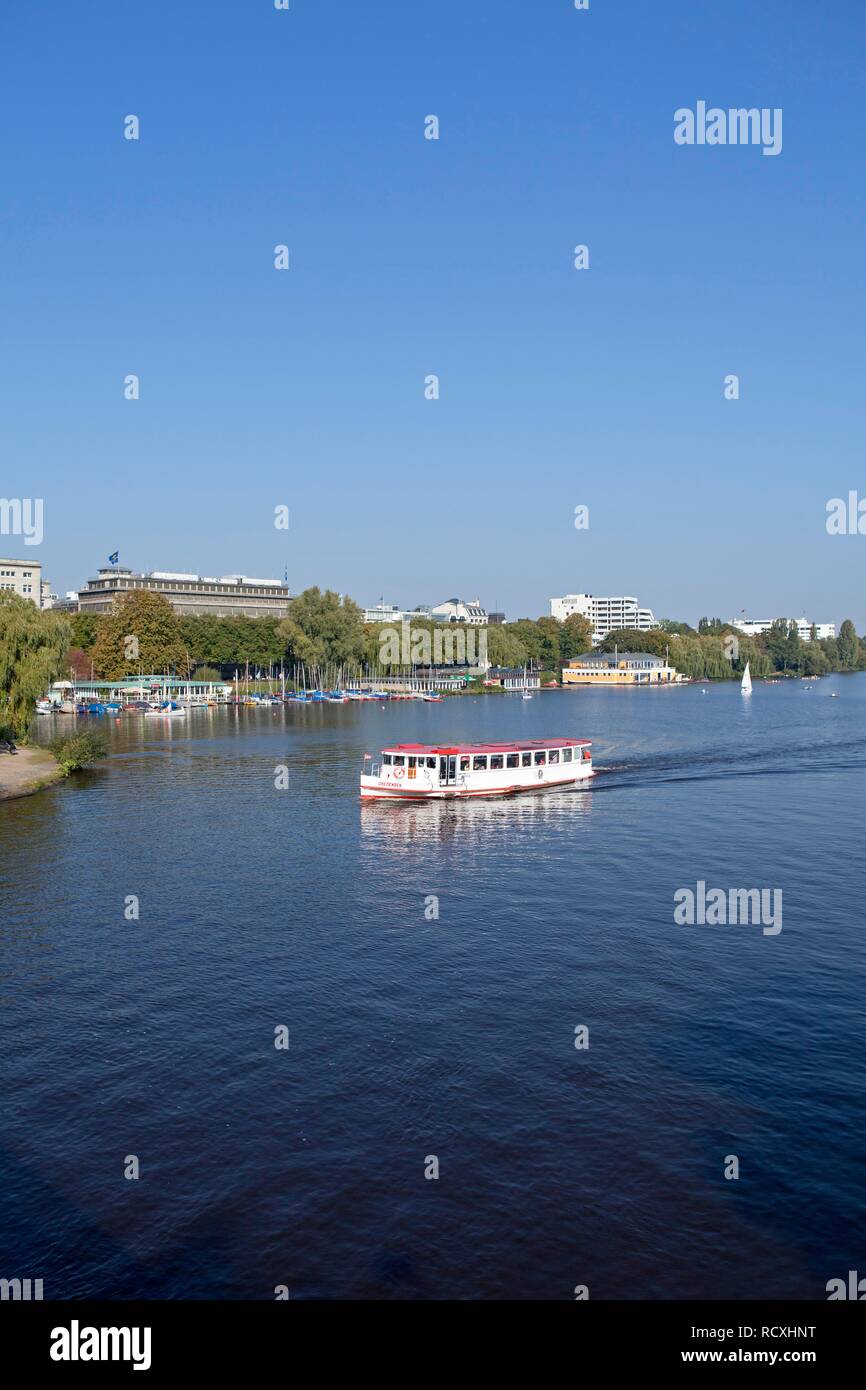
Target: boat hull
<point>372,789</point>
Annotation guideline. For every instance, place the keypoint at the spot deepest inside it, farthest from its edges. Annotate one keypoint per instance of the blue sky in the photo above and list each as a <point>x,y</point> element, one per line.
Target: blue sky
<point>408,257</point>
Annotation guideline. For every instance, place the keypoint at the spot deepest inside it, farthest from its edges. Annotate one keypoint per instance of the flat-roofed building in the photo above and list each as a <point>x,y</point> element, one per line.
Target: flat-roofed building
<point>619,668</point>
<point>22,577</point>
<point>605,614</point>
<point>229,596</point>
<point>390,613</point>
<point>753,627</point>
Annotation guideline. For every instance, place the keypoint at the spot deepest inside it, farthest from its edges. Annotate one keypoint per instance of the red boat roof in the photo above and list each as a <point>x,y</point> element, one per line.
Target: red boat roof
<point>513,747</point>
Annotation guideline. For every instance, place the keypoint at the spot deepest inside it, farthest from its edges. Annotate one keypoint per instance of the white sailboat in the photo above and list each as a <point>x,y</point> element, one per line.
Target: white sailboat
<point>746,682</point>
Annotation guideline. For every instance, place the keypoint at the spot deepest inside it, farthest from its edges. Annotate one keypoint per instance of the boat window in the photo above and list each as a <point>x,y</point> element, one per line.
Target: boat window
<point>540,757</point>
<point>411,762</point>
<point>526,760</point>
<point>566,755</point>
<point>479,762</point>
<point>464,762</point>
<point>513,760</point>
<point>585,755</point>
<point>399,760</point>
<point>495,762</point>
<point>386,759</point>
<point>431,762</point>
<point>554,755</point>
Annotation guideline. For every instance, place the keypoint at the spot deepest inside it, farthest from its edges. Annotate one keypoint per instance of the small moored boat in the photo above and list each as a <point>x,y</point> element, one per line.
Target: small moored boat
<point>419,771</point>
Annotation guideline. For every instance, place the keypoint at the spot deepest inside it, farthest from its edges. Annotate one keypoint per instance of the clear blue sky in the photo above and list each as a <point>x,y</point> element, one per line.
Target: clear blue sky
<point>410,257</point>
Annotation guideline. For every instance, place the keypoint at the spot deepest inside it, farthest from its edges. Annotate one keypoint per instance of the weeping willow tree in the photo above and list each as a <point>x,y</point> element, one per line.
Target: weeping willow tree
<point>32,647</point>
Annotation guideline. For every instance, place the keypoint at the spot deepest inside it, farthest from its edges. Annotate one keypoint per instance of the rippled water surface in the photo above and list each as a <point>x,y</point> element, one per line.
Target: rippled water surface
<point>454,1037</point>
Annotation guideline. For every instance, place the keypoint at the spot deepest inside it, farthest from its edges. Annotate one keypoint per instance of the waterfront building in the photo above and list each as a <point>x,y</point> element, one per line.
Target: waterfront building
<point>514,677</point>
<point>619,668</point>
<point>605,614</point>
<point>22,577</point>
<point>457,610</point>
<point>752,627</point>
<point>229,596</point>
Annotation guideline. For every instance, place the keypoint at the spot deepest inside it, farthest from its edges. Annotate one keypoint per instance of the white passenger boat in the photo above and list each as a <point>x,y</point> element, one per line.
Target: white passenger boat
<point>418,771</point>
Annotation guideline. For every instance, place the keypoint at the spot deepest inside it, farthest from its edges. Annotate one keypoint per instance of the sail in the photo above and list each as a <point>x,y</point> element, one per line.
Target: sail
<point>746,682</point>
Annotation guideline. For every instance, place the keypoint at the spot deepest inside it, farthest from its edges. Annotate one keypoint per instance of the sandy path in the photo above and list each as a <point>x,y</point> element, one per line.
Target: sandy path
<point>26,771</point>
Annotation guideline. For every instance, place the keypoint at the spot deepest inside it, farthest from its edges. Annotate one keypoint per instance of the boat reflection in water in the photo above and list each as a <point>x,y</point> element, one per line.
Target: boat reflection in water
<point>398,827</point>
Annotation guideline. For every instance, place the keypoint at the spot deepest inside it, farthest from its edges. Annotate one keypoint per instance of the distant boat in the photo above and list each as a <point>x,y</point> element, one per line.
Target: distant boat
<point>746,682</point>
<point>167,711</point>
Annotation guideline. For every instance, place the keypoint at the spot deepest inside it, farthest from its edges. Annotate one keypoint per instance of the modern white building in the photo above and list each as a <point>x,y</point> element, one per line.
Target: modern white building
<point>389,613</point>
<point>458,610</point>
<point>22,577</point>
<point>751,627</point>
<point>605,614</point>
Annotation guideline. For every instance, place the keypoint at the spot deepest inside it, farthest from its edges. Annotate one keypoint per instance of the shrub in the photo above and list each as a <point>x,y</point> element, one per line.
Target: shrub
<point>79,750</point>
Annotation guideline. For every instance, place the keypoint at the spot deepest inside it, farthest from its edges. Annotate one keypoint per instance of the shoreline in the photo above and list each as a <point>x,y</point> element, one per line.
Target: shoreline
<point>27,771</point>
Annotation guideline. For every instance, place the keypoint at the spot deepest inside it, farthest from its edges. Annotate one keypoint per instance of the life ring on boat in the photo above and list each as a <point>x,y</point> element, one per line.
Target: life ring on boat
<point>399,772</point>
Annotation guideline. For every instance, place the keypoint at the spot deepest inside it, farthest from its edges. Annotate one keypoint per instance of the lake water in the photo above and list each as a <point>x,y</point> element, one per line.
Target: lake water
<point>412,1038</point>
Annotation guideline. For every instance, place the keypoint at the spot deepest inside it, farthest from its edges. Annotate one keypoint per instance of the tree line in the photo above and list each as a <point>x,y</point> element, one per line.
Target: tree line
<point>324,630</point>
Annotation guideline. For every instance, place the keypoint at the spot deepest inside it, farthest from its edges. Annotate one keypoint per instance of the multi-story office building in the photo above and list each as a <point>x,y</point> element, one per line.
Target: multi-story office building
<point>751,627</point>
<point>230,596</point>
<point>22,577</point>
<point>605,614</point>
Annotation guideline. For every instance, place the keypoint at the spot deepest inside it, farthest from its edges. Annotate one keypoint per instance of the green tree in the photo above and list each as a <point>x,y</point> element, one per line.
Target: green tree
<point>33,643</point>
<point>151,620</point>
<point>529,636</point>
<point>575,636</point>
<point>629,639</point>
<point>85,627</point>
<point>847,646</point>
<point>503,648</point>
<point>323,629</point>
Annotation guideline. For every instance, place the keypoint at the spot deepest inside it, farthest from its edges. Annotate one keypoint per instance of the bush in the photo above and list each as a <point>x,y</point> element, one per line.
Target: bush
<point>79,750</point>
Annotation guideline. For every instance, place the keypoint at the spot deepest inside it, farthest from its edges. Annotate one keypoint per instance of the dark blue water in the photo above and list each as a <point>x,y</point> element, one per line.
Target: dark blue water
<point>453,1037</point>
